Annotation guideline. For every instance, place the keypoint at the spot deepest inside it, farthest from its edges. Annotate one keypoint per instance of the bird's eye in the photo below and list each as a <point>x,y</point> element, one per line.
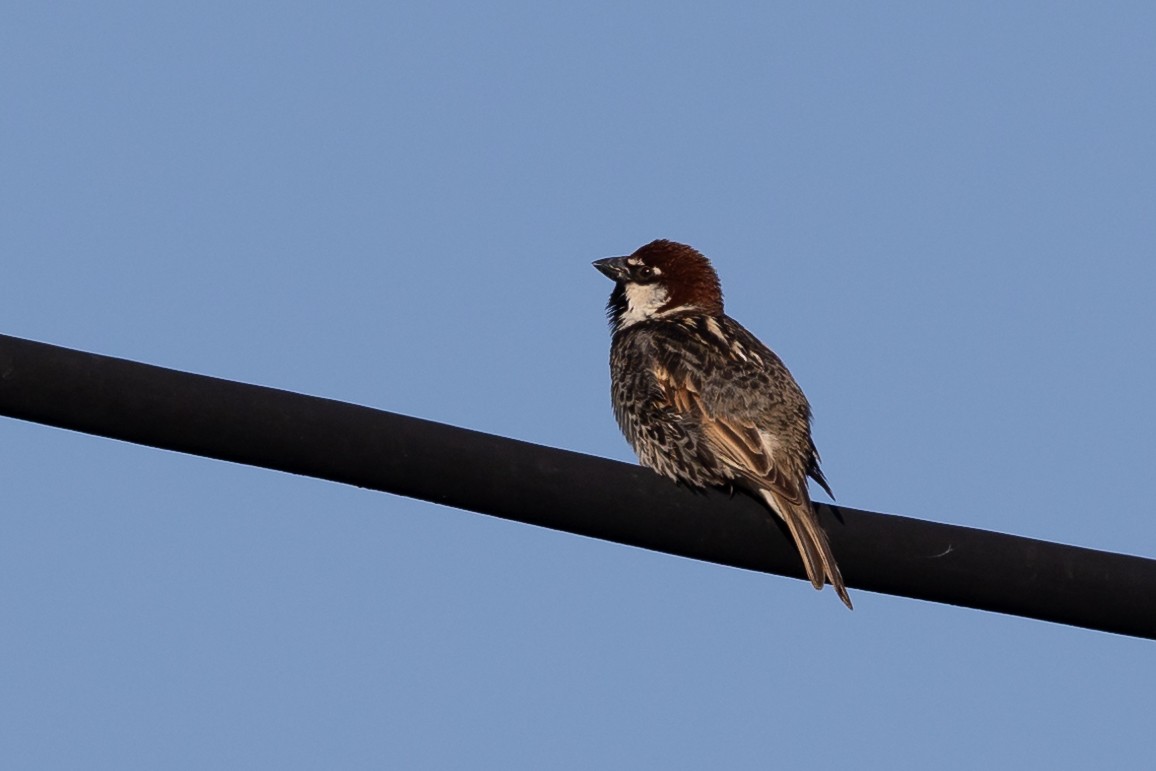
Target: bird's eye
<point>645,271</point>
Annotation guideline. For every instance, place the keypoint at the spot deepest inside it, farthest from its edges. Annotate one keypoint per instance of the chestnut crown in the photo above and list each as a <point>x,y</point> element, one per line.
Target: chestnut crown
<point>661,278</point>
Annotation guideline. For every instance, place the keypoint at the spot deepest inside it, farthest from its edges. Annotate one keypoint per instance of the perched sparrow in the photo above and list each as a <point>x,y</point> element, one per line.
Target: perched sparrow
<point>702,401</point>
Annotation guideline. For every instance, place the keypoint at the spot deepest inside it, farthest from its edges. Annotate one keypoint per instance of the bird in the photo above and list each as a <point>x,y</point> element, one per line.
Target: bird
<point>703,402</point>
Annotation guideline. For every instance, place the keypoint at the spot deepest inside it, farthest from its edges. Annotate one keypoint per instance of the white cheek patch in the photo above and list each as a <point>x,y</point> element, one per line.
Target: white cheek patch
<point>643,302</point>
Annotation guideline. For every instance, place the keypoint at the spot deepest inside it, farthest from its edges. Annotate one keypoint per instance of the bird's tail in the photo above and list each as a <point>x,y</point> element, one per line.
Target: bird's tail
<point>810,540</point>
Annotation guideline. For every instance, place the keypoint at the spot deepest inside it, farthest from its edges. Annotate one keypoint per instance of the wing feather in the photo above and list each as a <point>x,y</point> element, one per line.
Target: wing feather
<point>749,454</point>
<point>738,443</point>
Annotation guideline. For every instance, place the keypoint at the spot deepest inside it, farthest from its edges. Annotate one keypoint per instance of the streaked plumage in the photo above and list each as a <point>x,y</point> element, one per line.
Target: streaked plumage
<point>702,401</point>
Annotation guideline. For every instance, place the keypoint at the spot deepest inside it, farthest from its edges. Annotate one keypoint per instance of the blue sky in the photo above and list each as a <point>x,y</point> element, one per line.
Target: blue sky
<point>941,217</point>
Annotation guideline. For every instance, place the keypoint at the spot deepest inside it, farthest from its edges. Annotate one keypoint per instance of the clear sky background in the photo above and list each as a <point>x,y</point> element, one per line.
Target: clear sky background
<point>943,218</point>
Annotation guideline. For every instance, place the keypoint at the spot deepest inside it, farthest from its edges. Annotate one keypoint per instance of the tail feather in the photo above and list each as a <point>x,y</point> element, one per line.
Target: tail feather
<point>811,541</point>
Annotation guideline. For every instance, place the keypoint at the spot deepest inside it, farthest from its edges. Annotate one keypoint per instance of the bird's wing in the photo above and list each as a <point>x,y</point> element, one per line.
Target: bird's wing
<point>736,441</point>
<point>730,427</point>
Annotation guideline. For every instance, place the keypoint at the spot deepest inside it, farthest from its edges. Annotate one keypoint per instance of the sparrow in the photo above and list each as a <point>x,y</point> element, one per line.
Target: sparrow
<point>703,402</point>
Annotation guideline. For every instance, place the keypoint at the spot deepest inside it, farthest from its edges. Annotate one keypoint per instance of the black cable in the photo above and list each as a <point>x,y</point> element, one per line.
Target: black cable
<point>563,490</point>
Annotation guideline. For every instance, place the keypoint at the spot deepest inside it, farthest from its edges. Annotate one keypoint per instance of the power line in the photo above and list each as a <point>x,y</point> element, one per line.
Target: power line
<point>563,490</point>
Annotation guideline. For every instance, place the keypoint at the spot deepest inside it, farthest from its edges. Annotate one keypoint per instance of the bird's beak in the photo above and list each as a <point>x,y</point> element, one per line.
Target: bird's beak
<point>613,268</point>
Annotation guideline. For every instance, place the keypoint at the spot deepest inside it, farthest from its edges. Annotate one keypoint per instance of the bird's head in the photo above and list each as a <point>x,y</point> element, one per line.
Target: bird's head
<point>660,279</point>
